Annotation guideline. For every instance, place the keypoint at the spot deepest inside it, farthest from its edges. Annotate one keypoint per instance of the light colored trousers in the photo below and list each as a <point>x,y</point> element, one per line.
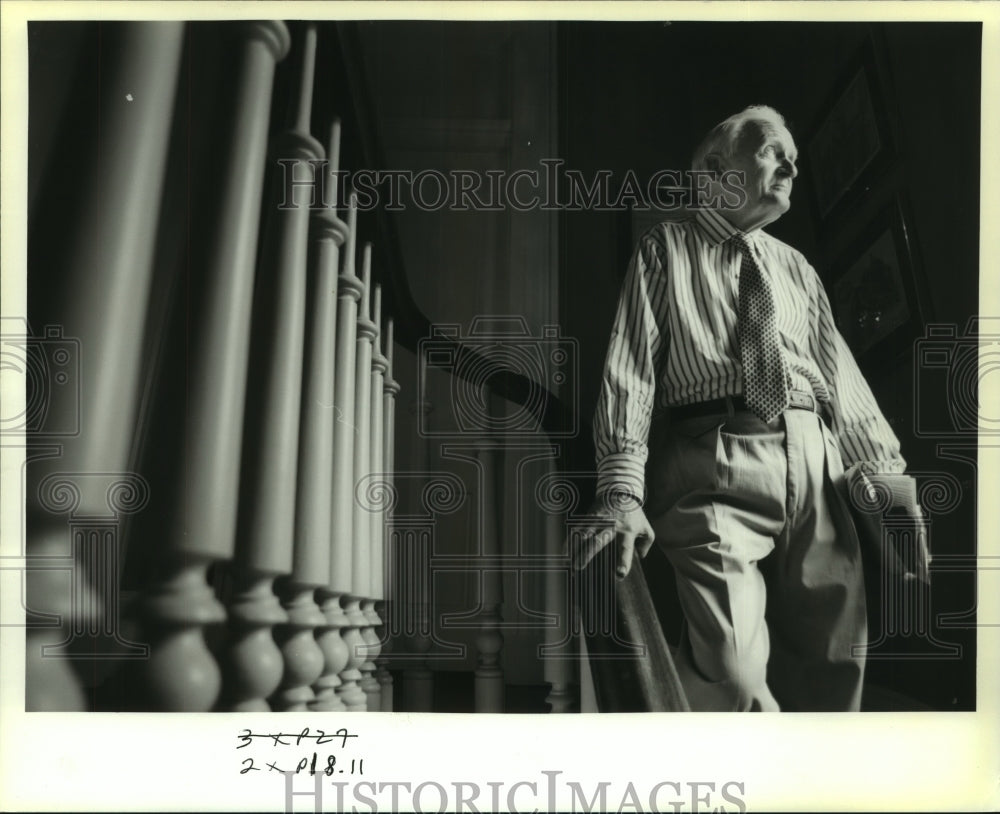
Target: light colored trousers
<point>768,566</point>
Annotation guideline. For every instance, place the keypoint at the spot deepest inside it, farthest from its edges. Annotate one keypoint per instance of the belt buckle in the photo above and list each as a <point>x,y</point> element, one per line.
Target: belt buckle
<point>804,401</point>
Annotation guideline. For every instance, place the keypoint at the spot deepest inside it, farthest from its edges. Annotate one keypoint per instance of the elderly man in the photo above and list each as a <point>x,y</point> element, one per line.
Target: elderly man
<point>729,410</point>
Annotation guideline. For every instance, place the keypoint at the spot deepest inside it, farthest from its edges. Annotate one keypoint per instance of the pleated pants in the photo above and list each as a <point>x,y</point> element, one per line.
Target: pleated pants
<point>754,520</point>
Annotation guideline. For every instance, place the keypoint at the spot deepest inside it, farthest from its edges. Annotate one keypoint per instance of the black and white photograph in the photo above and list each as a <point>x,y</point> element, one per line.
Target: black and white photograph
<point>425,408</point>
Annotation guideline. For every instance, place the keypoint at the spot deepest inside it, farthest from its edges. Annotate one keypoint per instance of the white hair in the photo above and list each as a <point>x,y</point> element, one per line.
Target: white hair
<point>724,139</point>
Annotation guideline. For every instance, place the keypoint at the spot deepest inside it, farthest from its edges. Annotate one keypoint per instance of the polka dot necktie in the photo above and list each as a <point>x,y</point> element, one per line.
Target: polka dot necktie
<point>765,375</point>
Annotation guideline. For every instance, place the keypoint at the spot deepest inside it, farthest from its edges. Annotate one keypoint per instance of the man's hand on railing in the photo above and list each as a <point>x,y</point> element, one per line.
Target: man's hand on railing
<point>618,518</point>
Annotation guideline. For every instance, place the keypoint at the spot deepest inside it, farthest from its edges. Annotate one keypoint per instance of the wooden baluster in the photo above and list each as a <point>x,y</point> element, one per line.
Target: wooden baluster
<point>181,674</point>
<point>99,309</point>
<point>489,643</point>
<point>349,292</point>
<point>414,570</point>
<point>376,518</point>
<point>361,561</point>
<point>316,452</point>
<point>267,544</point>
<point>390,389</point>
<point>352,694</point>
<point>559,653</point>
<point>87,580</point>
<point>50,683</point>
<point>254,666</point>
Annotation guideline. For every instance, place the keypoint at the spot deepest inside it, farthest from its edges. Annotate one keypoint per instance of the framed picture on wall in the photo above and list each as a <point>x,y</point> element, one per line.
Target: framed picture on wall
<point>851,144</point>
<point>877,294</point>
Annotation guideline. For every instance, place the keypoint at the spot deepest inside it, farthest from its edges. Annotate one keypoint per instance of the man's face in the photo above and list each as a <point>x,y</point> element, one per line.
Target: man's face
<point>766,157</point>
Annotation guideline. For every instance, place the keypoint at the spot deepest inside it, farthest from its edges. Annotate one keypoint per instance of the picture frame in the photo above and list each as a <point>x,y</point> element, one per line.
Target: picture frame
<point>851,144</point>
<point>877,292</point>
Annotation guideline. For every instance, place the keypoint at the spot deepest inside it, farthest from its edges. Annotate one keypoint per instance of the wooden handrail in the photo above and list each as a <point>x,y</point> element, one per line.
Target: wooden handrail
<point>630,660</point>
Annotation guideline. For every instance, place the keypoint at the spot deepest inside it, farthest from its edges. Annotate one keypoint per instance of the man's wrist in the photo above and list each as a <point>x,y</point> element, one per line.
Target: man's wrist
<point>620,500</point>
<point>623,476</point>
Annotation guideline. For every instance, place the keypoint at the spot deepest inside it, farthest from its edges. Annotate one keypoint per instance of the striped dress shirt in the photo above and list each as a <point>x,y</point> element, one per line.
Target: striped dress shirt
<point>675,342</point>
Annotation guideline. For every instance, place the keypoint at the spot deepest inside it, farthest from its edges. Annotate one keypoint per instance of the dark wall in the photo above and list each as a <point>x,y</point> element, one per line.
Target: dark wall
<point>639,96</point>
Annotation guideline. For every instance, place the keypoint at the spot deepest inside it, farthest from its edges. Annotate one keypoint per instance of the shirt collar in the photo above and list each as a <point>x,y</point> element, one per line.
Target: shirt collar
<point>717,229</point>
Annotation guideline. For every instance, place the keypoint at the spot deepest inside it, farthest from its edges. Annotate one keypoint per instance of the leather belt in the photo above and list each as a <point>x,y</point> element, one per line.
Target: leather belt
<point>730,405</point>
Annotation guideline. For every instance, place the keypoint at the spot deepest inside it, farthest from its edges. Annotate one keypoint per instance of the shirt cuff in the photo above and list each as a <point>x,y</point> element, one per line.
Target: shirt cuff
<point>899,491</point>
<point>621,472</point>
<point>893,466</point>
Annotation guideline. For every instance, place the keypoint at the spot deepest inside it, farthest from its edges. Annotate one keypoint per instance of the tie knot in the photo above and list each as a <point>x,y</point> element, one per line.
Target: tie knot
<point>741,242</point>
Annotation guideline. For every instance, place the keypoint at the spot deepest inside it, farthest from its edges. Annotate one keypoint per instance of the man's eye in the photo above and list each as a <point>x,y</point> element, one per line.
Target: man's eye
<point>768,150</point>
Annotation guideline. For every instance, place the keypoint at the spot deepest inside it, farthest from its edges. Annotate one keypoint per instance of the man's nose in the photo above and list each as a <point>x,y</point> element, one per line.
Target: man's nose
<point>789,168</point>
